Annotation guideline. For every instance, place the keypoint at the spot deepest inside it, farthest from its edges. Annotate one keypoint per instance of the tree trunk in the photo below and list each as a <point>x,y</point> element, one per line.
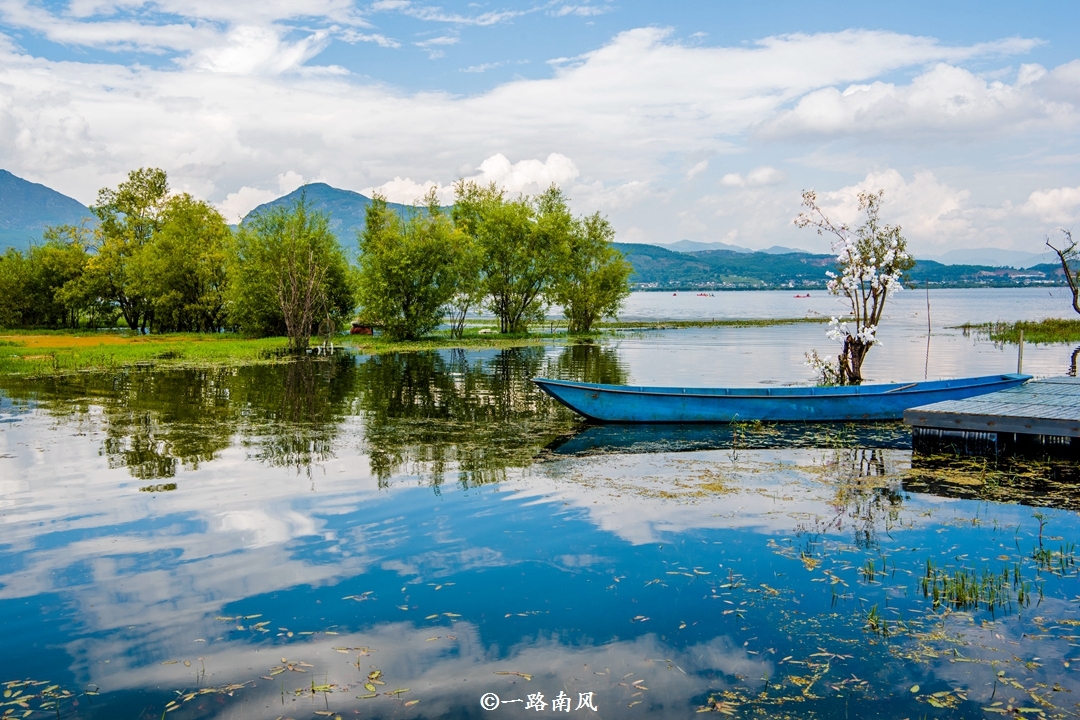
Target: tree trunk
<point>851,361</point>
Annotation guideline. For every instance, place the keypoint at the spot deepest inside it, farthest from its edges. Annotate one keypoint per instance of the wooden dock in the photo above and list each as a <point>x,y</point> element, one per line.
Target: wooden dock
<point>1041,415</point>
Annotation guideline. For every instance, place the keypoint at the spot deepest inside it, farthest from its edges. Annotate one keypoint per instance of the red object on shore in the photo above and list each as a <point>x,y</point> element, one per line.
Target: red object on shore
<point>358,329</point>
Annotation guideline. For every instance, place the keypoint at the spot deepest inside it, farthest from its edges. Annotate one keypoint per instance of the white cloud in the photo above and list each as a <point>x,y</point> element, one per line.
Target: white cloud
<point>757,177</point>
<point>238,204</point>
<point>246,101</point>
<point>1058,205</point>
<point>482,67</point>
<point>698,168</point>
<point>408,192</point>
<point>436,14</point>
<point>527,176</point>
<point>251,49</point>
<point>352,36</point>
<point>929,211</point>
<point>580,10</point>
<point>523,177</point>
<point>943,100</point>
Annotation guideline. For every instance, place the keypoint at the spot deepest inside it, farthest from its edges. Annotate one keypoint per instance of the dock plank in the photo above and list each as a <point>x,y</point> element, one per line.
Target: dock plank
<point>1049,406</point>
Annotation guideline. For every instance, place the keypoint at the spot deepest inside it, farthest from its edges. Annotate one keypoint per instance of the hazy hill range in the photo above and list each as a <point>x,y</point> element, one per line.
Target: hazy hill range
<point>656,268</point>
<point>26,208</point>
<point>347,209</point>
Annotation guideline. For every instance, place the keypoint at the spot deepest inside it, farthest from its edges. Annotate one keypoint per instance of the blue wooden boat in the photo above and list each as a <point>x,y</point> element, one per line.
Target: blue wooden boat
<point>628,404</point>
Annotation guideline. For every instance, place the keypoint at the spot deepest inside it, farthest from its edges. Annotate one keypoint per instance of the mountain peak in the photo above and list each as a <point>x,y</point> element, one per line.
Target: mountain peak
<point>26,208</point>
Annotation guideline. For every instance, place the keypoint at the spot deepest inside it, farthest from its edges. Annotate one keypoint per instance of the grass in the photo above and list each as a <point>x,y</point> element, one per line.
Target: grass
<point>1051,330</point>
<point>59,352</point>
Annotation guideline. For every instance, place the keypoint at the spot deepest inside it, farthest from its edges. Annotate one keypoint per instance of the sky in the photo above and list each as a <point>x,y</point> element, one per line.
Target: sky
<point>682,120</point>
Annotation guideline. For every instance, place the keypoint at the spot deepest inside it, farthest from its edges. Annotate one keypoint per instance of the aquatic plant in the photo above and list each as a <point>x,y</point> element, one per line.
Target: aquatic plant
<point>966,589</point>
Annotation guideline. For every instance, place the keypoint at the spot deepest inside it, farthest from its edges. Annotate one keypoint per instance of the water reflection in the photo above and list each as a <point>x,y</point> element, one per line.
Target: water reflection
<point>747,569</point>
<point>425,413</point>
<point>674,437</point>
<point>420,413</point>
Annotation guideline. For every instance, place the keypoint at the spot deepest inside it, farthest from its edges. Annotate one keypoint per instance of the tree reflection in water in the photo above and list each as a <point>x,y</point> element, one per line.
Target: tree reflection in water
<point>867,492</point>
<point>423,413</point>
<point>426,412</point>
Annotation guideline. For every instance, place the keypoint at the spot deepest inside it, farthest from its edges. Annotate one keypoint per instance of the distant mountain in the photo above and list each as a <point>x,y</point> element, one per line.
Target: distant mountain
<point>657,268</point>
<point>688,246</point>
<point>347,209</point>
<point>988,257</point>
<point>26,208</point>
<point>694,246</point>
<point>993,256</point>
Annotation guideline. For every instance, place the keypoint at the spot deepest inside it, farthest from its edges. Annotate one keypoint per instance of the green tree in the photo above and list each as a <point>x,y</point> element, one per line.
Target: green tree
<point>40,288</point>
<point>469,283</point>
<point>409,268</point>
<point>594,278</point>
<point>14,276</point>
<point>289,274</point>
<point>128,217</point>
<point>522,243</point>
<point>182,269</point>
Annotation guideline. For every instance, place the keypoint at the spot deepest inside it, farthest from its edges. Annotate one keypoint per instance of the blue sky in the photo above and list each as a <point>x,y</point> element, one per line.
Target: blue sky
<point>699,120</point>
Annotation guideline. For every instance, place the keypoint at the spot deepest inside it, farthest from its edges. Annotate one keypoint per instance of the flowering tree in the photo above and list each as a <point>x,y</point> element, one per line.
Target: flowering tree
<point>871,258</point>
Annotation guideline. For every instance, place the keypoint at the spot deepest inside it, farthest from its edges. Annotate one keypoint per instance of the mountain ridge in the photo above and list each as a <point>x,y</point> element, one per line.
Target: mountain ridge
<point>26,208</point>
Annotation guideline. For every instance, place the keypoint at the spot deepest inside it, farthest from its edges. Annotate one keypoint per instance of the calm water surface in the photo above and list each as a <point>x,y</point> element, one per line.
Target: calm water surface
<point>397,536</point>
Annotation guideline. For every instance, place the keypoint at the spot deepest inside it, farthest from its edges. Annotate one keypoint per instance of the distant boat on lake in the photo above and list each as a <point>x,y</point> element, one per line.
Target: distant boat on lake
<point>635,404</point>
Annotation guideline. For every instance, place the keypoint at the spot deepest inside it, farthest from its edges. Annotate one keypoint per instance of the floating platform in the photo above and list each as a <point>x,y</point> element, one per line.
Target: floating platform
<point>1040,416</point>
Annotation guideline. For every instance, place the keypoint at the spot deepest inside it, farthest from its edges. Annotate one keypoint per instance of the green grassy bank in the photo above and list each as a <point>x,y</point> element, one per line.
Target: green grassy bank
<point>57,352</point>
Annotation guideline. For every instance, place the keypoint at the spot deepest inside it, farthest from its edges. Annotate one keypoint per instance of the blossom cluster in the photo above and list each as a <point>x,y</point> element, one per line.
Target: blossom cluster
<point>860,273</point>
<point>865,334</point>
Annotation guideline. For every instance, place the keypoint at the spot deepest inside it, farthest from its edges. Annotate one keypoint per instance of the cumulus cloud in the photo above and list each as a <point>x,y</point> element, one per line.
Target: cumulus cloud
<point>944,99</point>
<point>929,210</point>
<point>523,177</point>
<point>238,204</point>
<point>246,101</point>
<point>1057,205</point>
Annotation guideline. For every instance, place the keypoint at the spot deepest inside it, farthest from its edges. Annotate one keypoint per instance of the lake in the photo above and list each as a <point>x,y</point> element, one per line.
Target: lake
<point>425,535</point>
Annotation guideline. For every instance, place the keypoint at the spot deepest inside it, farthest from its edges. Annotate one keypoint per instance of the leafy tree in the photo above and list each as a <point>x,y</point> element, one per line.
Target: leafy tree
<point>872,258</point>
<point>469,283</point>
<point>522,243</point>
<point>409,268</point>
<point>594,278</point>
<point>128,217</point>
<point>182,269</point>
<point>289,274</point>
<point>40,288</point>
<point>64,260</point>
<point>14,276</point>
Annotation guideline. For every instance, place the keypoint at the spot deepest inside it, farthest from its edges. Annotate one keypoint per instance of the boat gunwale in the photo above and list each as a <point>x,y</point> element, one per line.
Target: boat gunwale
<point>835,392</point>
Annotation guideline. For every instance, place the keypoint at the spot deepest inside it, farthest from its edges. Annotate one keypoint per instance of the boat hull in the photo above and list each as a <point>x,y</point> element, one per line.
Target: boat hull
<point>629,404</point>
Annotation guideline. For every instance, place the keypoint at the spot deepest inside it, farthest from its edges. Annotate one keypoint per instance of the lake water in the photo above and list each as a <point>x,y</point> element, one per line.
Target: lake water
<point>415,535</point>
